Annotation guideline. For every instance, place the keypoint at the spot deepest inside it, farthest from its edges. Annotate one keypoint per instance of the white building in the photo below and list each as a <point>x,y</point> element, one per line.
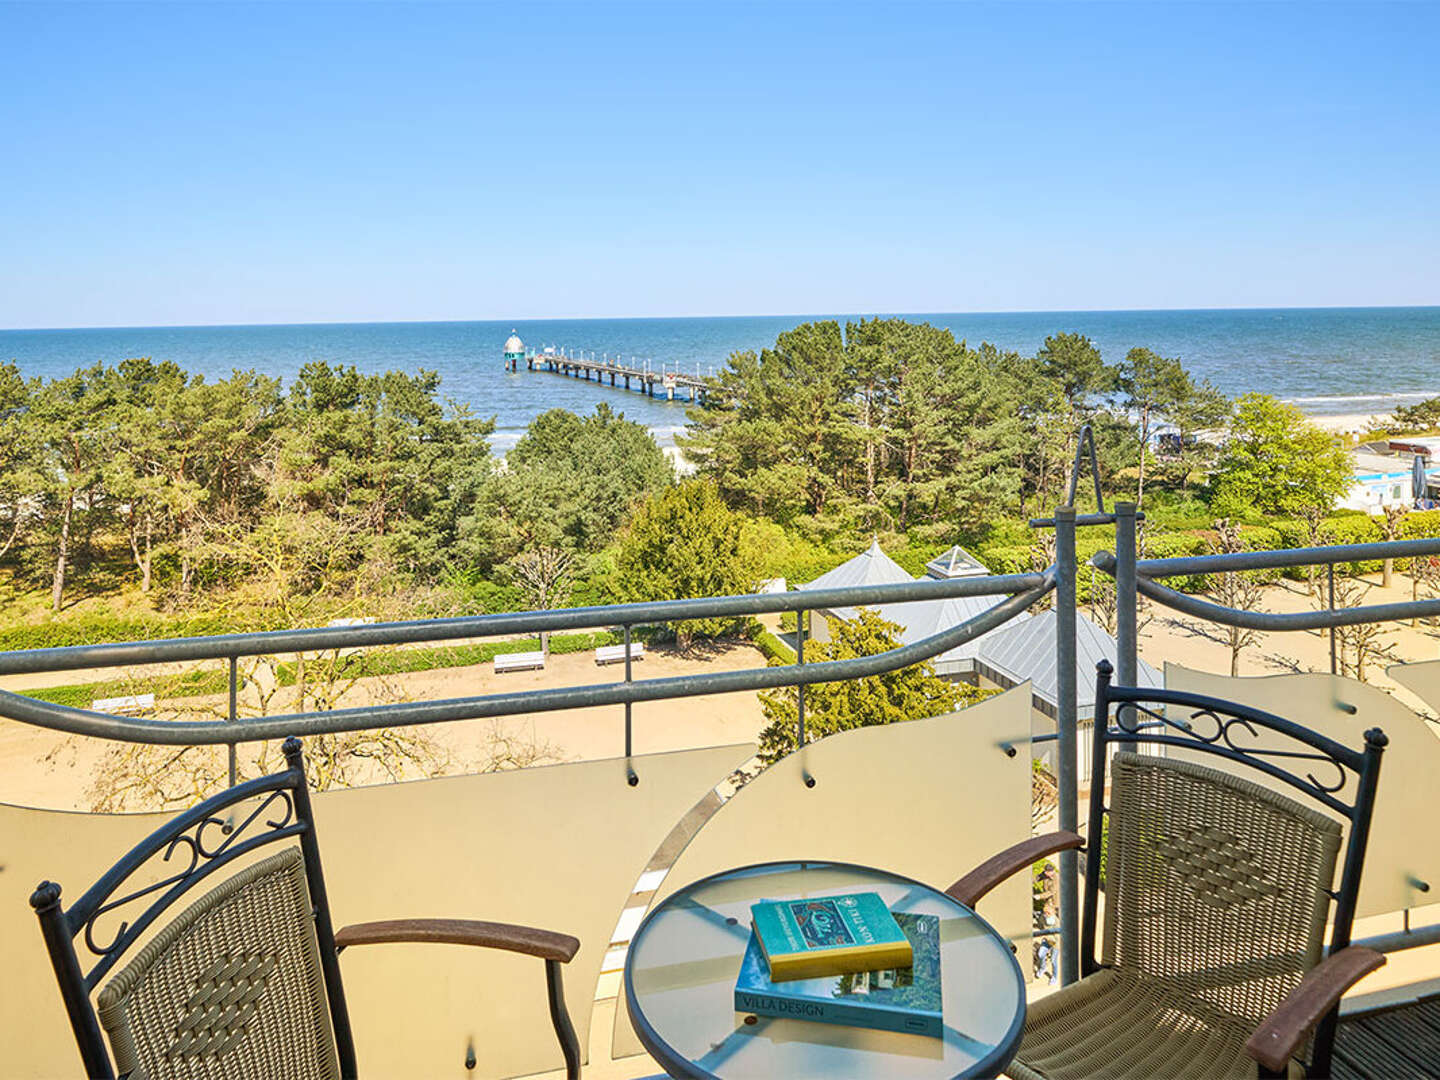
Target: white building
<point>1382,480</point>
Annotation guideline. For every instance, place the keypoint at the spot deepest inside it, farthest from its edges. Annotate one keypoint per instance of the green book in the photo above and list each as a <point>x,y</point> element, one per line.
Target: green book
<point>902,999</point>
<point>828,935</point>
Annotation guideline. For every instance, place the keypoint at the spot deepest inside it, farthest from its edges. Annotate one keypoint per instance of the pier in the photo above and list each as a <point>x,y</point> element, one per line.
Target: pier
<point>666,382</point>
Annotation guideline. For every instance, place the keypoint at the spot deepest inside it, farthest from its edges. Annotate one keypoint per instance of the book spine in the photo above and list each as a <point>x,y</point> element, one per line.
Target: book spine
<point>835,1012</point>
<point>839,961</point>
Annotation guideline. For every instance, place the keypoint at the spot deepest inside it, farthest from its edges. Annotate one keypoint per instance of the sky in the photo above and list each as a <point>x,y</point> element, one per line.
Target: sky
<point>271,163</point>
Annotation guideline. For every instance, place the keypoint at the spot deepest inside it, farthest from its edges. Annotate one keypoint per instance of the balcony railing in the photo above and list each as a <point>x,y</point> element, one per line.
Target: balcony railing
<point>1014,594</point>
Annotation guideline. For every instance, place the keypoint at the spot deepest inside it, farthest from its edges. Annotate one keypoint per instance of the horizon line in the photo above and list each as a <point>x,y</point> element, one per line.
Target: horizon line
<point>877,313</point>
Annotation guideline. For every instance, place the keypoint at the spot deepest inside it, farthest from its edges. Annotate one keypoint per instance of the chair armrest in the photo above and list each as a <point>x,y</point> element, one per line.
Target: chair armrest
<point>970,888</point>
<point>545,944</point>
<point>1275,1041</point>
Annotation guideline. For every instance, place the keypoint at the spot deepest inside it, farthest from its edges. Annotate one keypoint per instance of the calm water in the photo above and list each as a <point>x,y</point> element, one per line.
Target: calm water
<point>1326,360</point>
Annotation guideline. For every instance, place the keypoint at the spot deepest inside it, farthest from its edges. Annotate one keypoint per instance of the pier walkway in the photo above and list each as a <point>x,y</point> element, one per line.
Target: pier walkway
<point>644,379</point>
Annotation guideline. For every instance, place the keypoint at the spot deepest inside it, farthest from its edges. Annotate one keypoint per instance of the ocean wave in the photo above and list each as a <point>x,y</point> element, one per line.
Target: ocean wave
<point>1359,404</point>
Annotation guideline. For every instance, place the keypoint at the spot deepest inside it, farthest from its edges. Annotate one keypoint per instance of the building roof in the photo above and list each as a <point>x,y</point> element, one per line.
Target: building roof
<point>1367,464</point>
<point>919,619</point>
<point>1026,650</point>
<point>513,343</point>
<point>955,563</point>
<point>871,567</point>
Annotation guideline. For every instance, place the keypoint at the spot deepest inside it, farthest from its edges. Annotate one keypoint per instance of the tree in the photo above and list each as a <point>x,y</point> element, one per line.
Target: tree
<point>1074,362</point>
<point>1360,645</point>
<point>71,418</point>
<point>543,575</point>
<point>1275,462</point>
<point>1239,589</point>
<point>1153,385</point>
<point>20,479</point>
<point>684,542</point>
<point>591,469</point>
<point>1392,527</point>
<point>910,693</point>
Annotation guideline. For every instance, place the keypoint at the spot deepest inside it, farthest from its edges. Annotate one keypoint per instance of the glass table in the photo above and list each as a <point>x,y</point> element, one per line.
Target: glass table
<point>683,960</point>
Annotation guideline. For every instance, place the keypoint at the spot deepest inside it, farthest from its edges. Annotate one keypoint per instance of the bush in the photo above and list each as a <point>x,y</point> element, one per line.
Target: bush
<point>774,650</point>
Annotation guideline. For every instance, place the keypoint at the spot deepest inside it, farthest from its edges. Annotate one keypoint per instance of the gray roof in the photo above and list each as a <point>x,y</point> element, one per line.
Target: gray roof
<point>1026,650</point>
<point>871,567</point>
<point>921,619</point>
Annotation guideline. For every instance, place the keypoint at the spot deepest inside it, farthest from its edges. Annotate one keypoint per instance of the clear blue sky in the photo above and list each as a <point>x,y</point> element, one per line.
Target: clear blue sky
<point>279,163</point>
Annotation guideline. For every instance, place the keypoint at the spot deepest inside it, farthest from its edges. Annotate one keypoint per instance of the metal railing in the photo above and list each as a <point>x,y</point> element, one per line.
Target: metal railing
<point>1134,577</point>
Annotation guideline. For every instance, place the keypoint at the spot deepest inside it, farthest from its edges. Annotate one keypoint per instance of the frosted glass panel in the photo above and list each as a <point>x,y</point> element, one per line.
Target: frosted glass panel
<point>558,847</point>
<point>1402,845</point>
<point>929,799</point>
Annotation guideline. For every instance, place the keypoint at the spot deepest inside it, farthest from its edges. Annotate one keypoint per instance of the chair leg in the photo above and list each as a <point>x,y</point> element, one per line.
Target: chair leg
<point>560,1017</point>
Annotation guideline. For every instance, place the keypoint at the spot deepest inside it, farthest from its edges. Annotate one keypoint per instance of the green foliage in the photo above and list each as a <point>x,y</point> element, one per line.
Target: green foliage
<point>1277,462</point>
<point>773,649</point>
<point>911,693</point>
<point>1073,361</point>
<point>1414,419</point>
<point>570,481</point>
<point>684,542</point>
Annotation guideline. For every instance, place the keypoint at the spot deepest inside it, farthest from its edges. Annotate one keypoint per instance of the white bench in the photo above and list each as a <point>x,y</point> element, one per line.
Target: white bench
<point>519,661</point>
<point>615,654</point>
<point>133,705</point>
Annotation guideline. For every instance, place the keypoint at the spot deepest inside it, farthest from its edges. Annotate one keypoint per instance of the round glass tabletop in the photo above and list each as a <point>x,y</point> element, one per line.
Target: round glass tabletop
<point>684,959</point>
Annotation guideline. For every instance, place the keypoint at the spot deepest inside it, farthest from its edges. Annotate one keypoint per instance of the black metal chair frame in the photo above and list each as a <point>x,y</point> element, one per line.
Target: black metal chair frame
<point>1213,726</point>
<point>211,839</point>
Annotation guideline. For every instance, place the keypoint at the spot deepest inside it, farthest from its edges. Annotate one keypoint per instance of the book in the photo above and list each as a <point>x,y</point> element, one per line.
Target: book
<point>829,935</point>
<point>898,999</point>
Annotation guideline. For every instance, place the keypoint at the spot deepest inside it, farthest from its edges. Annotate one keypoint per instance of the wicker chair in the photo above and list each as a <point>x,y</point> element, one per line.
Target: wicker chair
<point>1217,895</point>
<point>245,981</point>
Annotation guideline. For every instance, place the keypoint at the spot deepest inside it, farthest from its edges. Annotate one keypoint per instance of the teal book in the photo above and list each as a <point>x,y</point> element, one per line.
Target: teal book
<point>899,999</point>
<point>828,935</point>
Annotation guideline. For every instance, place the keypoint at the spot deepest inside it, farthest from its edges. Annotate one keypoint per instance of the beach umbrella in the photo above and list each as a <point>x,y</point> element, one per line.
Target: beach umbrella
<point>1417,479</point>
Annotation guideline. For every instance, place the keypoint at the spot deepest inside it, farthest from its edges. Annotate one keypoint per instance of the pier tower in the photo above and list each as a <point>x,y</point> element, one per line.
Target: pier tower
<point>514,352</point>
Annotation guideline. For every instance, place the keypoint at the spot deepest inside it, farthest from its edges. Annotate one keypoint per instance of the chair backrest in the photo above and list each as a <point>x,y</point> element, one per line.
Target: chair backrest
<point>233,983</point>
<point>1215,882</point>
<point>244,978</point>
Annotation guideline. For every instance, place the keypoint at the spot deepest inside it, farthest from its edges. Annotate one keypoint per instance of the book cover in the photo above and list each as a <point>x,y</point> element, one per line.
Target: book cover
<point>829,935</point>
<point>898,999</point>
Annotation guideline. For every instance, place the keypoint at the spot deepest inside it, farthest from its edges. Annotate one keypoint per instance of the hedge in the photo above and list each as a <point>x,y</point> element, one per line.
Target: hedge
<point>773,648</point>
<point>358,665</point>
<point>103,629</point>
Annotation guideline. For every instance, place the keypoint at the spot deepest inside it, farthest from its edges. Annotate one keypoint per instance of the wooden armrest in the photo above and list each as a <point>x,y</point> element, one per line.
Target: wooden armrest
<point>545,944</point>
<point>970,888</point>
<point>1276,1040</point>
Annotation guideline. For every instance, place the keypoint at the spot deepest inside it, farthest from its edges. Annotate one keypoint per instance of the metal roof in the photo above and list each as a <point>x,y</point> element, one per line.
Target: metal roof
<point>1026,650</point>
<point>920,619</point>
<point>871,567</point>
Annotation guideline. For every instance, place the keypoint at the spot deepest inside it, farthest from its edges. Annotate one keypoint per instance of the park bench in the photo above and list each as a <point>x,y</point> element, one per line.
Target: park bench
<point>615,654</point>
<point>519,661</point>
<point>131,705</point>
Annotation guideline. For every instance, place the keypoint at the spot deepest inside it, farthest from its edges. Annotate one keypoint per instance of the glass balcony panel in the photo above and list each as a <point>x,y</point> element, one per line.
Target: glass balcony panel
<point>929,799</point>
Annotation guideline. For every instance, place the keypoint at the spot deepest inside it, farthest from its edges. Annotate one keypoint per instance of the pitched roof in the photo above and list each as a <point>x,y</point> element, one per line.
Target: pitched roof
<point>921,619</point>
<point>1026,650</point>
<point>871,567</point>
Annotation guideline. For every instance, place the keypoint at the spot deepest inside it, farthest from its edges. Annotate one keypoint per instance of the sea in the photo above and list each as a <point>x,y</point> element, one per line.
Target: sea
<point>1327,361</point>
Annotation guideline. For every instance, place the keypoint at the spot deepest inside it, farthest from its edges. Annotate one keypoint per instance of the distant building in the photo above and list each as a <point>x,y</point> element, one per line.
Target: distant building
<point>871,567</point>
<point>514,352</point>
<point>1380,480</point>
